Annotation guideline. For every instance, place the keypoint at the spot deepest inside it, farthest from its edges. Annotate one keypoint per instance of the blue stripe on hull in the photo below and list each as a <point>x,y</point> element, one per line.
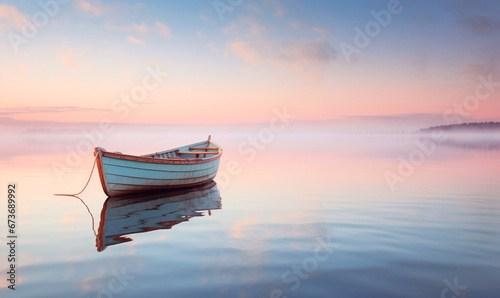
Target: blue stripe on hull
<point>158,174</point>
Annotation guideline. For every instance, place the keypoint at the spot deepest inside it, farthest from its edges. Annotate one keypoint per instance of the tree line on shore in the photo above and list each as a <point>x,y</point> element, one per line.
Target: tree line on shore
<point>463,127</point>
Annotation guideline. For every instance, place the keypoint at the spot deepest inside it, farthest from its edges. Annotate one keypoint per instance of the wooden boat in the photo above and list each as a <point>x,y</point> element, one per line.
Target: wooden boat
<point>185,166</point>
<point>122,216</point>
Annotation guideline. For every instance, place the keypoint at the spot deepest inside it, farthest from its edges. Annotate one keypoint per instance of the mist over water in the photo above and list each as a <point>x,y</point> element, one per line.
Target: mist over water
<point>302,214</point>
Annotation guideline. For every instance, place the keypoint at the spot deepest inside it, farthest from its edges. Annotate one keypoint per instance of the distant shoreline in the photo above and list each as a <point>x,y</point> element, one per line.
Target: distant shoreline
<point>464,127</point>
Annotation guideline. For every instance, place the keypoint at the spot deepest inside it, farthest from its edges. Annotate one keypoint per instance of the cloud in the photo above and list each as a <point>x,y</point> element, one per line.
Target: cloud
<point>245,27</point>
<point>279,12</point>
<point>481,24</point>
<point>488,65</point>
<point>22,66</point>
<point>399,117</point>
<point>305,52</point>
<point>473,70</point>
<point>154,62</point>
<point>262,7</point>
<point>478,16</point>
<point>134,40</point>
<point>201,35</point>
<point>71,58</point>
<point>163,29</point>
<point>309,57</point>
<point>95,8</point>
<point>212,48</point>
<point>142,28</point>
<point>421,63</point>
<point>323,31</point>
<point>11,17</point>
<point>245,51</point>
<point>204,18</point>
<point>67,61</point>
<point>49,109</point>
<point>401,121</point>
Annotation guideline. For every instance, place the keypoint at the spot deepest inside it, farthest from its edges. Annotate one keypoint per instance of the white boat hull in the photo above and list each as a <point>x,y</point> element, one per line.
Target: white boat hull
<point>124,174</point>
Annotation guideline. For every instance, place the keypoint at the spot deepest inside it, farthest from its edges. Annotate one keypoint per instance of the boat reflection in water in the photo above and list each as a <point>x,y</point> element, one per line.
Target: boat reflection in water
<point>125,215</point>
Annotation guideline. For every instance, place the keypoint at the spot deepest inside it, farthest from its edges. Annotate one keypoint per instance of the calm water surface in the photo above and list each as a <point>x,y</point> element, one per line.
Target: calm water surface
<point>306,216</point>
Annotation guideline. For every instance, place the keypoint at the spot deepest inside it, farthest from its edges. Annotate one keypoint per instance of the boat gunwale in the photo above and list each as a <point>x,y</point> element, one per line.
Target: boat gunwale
<point>174,160</point>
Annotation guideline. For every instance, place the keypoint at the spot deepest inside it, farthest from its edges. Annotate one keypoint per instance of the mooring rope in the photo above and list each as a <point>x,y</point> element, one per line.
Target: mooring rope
<point>88,181</point>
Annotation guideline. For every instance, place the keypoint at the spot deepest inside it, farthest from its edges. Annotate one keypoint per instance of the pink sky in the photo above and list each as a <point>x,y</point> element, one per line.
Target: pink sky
<point>78,67</point>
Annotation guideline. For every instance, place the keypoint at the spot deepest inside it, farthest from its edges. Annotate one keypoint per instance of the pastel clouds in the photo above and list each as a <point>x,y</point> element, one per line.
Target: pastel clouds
<point>22,66</point>
<point>10,16</point>
<point>111,10</point>
<point>473,69</point>
<point>304,53</point>
<point>482,24</point>
<point>246,27</point>
<point>11,111</point>
<point>142,28</point>
<point>71,58</point>
<point>134,40</point>
<point>163,29</point>
<point>158,27</point>
<point>246,51</point>
<point>309,57</point>
<point>95,8</point>
<point>323,31</point>
<point>275,8</point>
